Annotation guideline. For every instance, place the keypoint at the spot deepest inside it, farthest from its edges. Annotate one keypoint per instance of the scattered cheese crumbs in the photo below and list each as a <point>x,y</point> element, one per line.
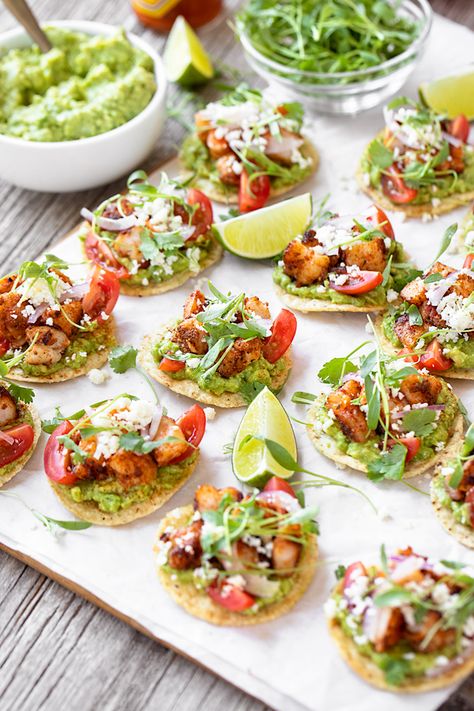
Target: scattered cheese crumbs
<point>210,413</point>
<point>97,377</point>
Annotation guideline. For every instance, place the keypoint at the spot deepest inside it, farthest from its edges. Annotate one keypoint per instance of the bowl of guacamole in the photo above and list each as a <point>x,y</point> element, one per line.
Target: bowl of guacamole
<point>81,115</point>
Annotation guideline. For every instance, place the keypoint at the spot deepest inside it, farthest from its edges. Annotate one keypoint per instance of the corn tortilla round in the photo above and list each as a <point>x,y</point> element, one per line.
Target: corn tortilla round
<point>199,604</point>
<point>190,388</point>
<point>327,446</point>
<point>372,674</point>
<point>18,465</point>
<point>388,347</point>
<point>90,512</point>
<point>320,305</point>
<point>231,197</point>
<point>96,359</point>
<point>463,534</point>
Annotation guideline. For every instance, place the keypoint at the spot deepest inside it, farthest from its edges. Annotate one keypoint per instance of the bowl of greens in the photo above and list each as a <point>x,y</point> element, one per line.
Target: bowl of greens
<point>344,56</point>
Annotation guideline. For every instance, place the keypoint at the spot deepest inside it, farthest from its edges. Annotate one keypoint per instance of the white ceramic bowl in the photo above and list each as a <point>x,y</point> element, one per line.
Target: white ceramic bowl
<point>67,166</point>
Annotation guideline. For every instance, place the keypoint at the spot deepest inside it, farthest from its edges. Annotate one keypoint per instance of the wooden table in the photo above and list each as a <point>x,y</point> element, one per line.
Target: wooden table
<point>56,650</point>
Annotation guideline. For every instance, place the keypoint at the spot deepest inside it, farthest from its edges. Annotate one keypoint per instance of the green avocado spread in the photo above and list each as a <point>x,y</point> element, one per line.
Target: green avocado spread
<point>111,497</point>
<point>84,86</point>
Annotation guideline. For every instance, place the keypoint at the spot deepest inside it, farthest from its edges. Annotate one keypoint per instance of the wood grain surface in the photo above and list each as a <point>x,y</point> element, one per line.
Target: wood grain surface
<point>58,651</point>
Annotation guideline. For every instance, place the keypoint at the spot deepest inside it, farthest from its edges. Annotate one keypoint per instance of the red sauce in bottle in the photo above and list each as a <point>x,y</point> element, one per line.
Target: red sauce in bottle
<point>161,14</point>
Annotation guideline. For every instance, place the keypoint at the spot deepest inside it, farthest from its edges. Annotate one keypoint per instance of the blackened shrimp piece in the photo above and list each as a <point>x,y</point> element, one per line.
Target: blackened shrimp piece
<point>128,245</point>
<point>416,635</point>
<point>13,322</point>
<point>194,304</point>
<point>48,347</point>
<point>8,408</point>
<point>191,337</point>
<point>350,417</point>
<point>239,357</point>
<point>414,292</point>
<point>225,167</point>
<point>389,628</point>
<point>66,320</point>
<point>166,452</point>
<point>286,553</point>
<point>304,264</point>
<point>208,497</point>
<point>90,468</point>
<point>185,550</point>
<point>281,148</point>
<point>421,389</point>
<point>464,285</point>
<point>408,334</point>
<point>131,469</point>
<point>366,255</point>
<point>6,283</point>
<point>430,315</point>
<point>217,146</point>
<point>257,306</point>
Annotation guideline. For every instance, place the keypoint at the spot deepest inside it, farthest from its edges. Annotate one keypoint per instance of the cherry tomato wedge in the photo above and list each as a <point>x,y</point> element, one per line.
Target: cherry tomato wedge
<point>395,188</point>
<point>204,216</point>
<point>468,261</point>
<point>359,283</point>
<point>193,426</point>
<point>434,359</point>
<point>57,458</point>
<point>230,597</point>
<point>278,484</point>
<point>104,290</point>
<point>14,442</point>
<point>377,216</point>
<point>412,444</point>
<point>4,346</point>
<point>253,194</point>
<point>283,331</point>
<point>459,128</point>
<point>410,357</point>
<point>354,570</point>
<point>168,365</point>
<point>99,252</point>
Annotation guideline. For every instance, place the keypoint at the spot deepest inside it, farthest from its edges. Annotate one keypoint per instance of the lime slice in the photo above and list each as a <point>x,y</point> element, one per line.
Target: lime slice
<point>251,461</point>
<point>452,95</point>
<point>186,60</point>
<point>266,232</point>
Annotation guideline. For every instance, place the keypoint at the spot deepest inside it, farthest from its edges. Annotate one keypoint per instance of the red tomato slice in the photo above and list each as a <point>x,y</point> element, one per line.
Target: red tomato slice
<point>5,346</point>
<point>253,194</point>
<point>57,458</point>
<point>231,597</point>
<point>168,365</point>
<point>193,426</point>
<point>376,216</point>
<point>204,216</point>
<point>99,252</point>
<point>395,188</point>
<point>278,484</point>
<point>102,296</point>
<point>459,128</point>
<point>14,442</point>
<point>434,359</point>
<point>354,570</point>
<point>468,261</point>
<point>410,357</point>
<point>412,444</point>
<point>283,331</point>
<point>359,284</point>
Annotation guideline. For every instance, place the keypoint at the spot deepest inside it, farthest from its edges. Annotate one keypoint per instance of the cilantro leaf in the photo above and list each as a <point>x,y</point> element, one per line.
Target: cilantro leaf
<point>420,422</point>
<point>49,426</point>
<point>395,670</point>
<point>390,464</point>
<point>20,393</point>
<point>133,442</point>
<point>334,370</point>
<point>122,358</point>
<point>340,572</point>
<point>380,155</point>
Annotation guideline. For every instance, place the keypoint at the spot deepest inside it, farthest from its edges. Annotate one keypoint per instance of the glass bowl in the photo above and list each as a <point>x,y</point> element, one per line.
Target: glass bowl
<point>346,92</point>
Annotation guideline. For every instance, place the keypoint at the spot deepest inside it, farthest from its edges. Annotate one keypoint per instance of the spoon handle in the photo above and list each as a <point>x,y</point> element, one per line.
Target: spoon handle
<point>21,10</point>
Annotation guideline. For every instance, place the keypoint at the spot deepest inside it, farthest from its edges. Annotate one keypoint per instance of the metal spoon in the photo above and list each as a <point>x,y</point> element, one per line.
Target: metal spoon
<point>21,10</point>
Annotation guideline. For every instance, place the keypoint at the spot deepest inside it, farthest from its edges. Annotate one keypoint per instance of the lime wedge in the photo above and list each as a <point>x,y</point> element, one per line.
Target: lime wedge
<point>266,232</point>
<point>452,95</point>
<point>186,60</point>
<point>251,461</point>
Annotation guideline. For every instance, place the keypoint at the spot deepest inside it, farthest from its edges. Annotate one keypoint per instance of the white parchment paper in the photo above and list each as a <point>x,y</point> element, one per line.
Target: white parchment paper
<point>290,663</point>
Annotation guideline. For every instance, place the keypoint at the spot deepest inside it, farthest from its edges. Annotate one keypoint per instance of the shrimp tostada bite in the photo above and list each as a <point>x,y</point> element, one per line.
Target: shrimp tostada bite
<point>421,163</point>
<point>246,150</point>
<point>20,428</point>
<point>223,350</point>
<point>452,492</point>
<point>238,560</point>
<point>121,459</point>
<point>347,263</point>
<point>384,417</point>
<point>154,237</point>
<point>433,324</point>
<point>62,329</point>
<point>404,625</point>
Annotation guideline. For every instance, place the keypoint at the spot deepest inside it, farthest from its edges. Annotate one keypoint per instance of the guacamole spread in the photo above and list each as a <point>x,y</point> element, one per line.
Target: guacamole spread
<point>84,86</point>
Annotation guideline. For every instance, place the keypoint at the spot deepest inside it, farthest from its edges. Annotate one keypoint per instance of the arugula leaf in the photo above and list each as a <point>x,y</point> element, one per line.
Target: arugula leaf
<point>393,598</point>
<point>457,475</point>
<point>380,155</point>
<point>383,558</point>
<point>414,316</point>
<point>386,271</point>
<point>66,525</point>
<point>368,363</point>
<point>334,370</point>
<point>50,261</point>
<point>420,422</point>
<point>304,398</point>
<point>432,278</point>
<point>468,444</point>
<point>373,402</point>
<point>78,455</point>
<point>122,358</point>
<point>454,565</point>
<point>446,241</point>
<point>133,442</point>
<point>390,464</point>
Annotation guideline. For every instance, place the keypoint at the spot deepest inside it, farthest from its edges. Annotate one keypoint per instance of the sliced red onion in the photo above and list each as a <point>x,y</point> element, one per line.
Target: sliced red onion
<point>38,312</point>
<point>155,422</point>
<point>352,376</point>
<point>6,438</point>
<point>75,293</point>
<point>187,231</point>
<point>407,567</point>
<point>452,139</point>
<point>281,499</point>
<point>370,623</point>
<point>120,224</point>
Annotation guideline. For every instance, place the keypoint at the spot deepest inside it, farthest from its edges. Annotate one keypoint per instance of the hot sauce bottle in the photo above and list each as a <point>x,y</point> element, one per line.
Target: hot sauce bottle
<point>161,14</point>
